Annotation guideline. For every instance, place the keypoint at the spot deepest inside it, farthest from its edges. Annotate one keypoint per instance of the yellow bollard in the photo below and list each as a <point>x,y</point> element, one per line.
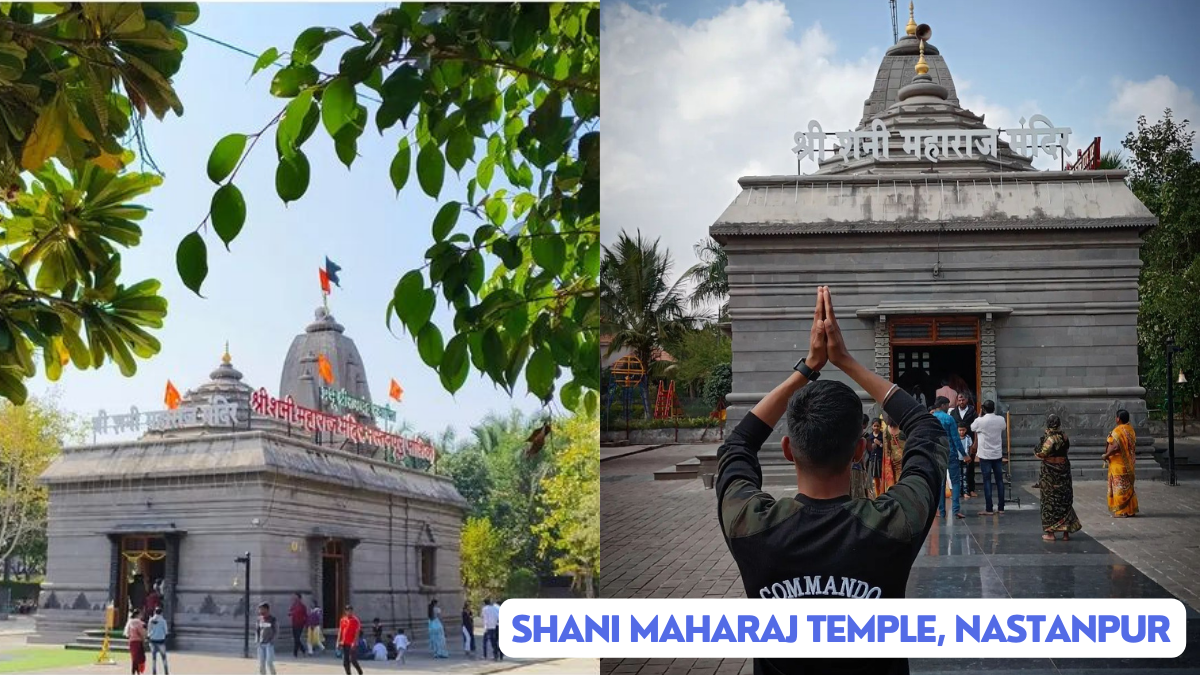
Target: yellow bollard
<point>106,659</point>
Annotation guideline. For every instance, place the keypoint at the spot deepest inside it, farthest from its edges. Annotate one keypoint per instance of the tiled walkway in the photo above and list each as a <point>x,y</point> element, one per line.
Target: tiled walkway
<point>661,539</point>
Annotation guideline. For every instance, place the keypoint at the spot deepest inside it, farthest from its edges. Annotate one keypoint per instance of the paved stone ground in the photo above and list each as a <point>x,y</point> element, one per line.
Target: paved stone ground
<point>615,451</point>
<point>1163,541</point>
<point>661,539</point>
<point>204,664</point>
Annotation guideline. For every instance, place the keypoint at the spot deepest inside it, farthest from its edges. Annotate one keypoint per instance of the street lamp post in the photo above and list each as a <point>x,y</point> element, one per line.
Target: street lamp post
<point>245,560</point>
<point>1171,348</point>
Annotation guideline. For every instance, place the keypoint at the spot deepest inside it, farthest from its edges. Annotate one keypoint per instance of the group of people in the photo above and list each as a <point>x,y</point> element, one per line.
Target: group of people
<point>351,644</point>
<point>147,629</point>
<point>899,471</point>
<point>972,439</point>
<point>976,439</point>
<point>1054,480</point>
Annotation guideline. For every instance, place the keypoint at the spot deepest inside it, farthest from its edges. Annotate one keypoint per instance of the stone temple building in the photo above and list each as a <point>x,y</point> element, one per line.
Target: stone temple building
<point>185,499</point>
<point>1020,285</point>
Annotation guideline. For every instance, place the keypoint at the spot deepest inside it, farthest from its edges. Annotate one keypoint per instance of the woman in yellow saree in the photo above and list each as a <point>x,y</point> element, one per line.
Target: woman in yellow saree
<point>1122,500</point>
<point>893,455</point>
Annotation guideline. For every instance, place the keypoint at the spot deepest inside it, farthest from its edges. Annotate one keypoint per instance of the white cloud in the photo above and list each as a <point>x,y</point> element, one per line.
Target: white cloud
<point>999,116</point>
<point>1150,98</point>
<point>691,108</point>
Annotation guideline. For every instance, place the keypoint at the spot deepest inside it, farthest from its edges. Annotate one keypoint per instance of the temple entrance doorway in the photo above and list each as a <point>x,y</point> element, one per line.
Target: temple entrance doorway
<point>143,563</point>
<point>931,352</point>
<point>333,582</point>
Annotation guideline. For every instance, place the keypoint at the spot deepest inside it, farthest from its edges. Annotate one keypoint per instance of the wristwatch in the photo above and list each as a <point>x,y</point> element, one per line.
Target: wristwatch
<point>808,373</point>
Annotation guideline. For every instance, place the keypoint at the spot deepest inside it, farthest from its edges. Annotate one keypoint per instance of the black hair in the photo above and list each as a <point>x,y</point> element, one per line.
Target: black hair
<point>1123,415</point>
<point>941,402</point>
<point>265,605</point>
<point>487,601</point>
<point>824,424</point>
<point>962,425</point>
<point>989,406</point>
<point>866,419</point>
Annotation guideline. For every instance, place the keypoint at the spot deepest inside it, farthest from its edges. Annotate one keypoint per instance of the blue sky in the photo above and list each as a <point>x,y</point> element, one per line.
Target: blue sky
<point>702,92</point>
<point>263,293</point>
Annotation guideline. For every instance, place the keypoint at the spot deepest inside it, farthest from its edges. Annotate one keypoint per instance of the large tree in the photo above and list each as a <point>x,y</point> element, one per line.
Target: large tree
<point>710,278</point>
<point>1166,177</point>
<point>480,88</point>
<point>76,81</point>
<point>31,436</point>
<point>569,532</point>
<point>641,309</point>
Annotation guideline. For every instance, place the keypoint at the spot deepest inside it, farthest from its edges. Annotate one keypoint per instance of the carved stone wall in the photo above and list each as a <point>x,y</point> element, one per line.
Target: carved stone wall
<point>883,348</point>
<point>987,358</point>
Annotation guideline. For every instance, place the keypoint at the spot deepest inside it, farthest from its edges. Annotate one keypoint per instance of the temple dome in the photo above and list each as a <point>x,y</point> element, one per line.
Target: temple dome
<point>897,71</point>
<point>301,378</point>
<point>907,101</point>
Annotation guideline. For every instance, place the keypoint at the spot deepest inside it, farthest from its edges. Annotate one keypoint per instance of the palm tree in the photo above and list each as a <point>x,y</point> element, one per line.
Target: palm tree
<point>1112,160</point>
<point>712,283</point>
<point>639,307</point>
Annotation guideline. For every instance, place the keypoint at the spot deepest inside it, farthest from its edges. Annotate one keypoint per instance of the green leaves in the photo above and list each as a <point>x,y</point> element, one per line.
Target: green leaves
<point>291,177</point>
<point>295,120</point>
<point>550,253</point>
<point>429,345</point>
<point>265,59</point>
<point>412,302</point>
<point>224,157</point>
<point>228,214</point>
<point>290,80</point>
<point>401,92</point>
<point>459,149</point>
<point>399,168</point>
<point>431,170</point>
<point>191,260</point>
<point>445,220</point>
<point>540,373</point>
<point>338,105</point>
<point>520,285</point>
<point>455,364</point>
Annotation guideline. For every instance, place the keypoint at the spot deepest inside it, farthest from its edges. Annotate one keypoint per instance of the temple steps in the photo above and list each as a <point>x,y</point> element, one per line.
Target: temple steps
<point>688,468</point>
<point>93,641</point>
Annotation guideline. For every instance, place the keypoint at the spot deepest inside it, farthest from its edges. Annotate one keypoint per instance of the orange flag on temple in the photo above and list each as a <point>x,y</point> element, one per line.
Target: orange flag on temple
<point>172,397</point>
<point>397,391</point>
<point>325,369</point>
<point>324,281</point>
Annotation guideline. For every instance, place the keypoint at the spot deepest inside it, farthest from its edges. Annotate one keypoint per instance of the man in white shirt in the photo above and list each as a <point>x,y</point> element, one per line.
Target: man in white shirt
<point>379,652</point>
<point>989,432</point>
<point>491,629</point>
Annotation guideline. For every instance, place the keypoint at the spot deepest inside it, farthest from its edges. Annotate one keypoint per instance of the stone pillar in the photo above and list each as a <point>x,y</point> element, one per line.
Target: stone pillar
<point>987,359</point>
<point>114,570</point>
<point>170,581</point>
<point>348,546</point>
<point>316,546</point>
<point>883,348</point>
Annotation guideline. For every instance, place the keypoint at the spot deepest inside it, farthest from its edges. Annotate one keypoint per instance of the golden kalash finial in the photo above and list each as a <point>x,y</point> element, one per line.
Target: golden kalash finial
<point>911,28</point>
<point>226,358</point>
<point>922,67</point>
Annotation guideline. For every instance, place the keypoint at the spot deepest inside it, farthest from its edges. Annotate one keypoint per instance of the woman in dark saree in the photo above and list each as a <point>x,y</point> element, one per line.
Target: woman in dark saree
<point>1058,496</point>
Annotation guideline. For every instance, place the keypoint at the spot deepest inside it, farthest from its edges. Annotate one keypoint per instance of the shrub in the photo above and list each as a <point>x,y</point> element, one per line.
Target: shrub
<point>522,583</point>
<point>718,384</point>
